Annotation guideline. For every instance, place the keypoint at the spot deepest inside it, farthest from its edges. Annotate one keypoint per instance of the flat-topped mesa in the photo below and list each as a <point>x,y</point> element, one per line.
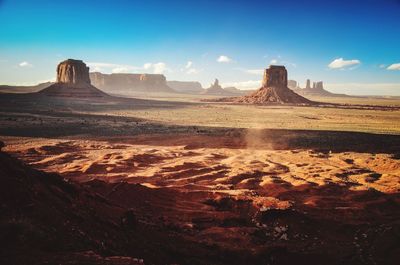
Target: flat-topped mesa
<point>275,76</point>
<point>154,79</point>
<point>126,82</point>
<point>73,72</point>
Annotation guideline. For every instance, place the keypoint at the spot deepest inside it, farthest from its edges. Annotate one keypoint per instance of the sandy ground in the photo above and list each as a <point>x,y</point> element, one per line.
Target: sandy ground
<point>226,194</point>
<point>24,115</point>
<point>318,183</point>
<point>230,170</point>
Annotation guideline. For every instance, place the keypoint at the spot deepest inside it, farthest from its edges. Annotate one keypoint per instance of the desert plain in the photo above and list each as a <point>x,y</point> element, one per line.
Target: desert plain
<point>228,183</point>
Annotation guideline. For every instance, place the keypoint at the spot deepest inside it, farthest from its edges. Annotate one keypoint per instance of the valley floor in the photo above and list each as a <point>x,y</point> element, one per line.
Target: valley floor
<point>238,184</point>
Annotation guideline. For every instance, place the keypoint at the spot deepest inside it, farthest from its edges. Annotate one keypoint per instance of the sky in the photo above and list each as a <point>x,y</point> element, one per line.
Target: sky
<point>353,46</point>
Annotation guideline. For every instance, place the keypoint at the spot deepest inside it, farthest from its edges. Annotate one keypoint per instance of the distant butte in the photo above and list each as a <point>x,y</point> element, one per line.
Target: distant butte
<point>274,90</point>
<point>73,81</point>
<point>317,89</point>
<point>217,90</point>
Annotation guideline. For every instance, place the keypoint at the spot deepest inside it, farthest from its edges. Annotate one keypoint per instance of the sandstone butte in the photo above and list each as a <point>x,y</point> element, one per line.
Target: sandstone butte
<point>73,81</point>
<point>274,90</point>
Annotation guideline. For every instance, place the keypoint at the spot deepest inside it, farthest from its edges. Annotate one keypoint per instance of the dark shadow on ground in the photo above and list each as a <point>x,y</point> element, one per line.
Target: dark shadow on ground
<point>133,130</point>
<point>37,103</point>
<point>33,115</point>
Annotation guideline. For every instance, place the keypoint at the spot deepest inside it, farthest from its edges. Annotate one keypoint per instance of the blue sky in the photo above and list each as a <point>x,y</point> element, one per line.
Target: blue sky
<point>353,46</point>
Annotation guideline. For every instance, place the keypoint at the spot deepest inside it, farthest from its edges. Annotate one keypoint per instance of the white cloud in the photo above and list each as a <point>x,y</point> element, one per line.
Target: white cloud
<point>254,71</point>
<point>289,64</point>
<point>120,70</point>
<point>192,71</point>
<point>340,63</point>
<point>111,67</point>
<point>156,68</point>
<point>281,62</point>
<point>382,66</point>
<point>189,69</point>
<point>245,85</point>
<point>273,61</point>
<point>224,59</point>
<point>395,66</point>
<point>189,64</point>
<point>25,64</point>
<point>147,66</point>
<point>96,64</point>
<point>159,68</point>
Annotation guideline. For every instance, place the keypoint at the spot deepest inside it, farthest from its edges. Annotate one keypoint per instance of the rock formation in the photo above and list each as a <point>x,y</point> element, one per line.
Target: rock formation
<point>217,90</point>
<point>73,81</point>
<point>308,84</point>
<point>292,84</point>
<point>318,86</point>
<point>274,90</point>
<point>73,72</point>
<point>275,76</point>
<point>130,82</point>
<point>317,89</point>
<point>186,87</point>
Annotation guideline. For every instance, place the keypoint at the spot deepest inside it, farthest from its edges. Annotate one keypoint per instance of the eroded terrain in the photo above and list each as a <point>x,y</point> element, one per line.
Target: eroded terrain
<point>237,171</point>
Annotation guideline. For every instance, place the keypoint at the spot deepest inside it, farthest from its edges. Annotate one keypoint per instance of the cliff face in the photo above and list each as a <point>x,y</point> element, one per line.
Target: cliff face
<point>73,72</point>
<point>72,81</point>
<point>275,76</point>
<point>130,82</point>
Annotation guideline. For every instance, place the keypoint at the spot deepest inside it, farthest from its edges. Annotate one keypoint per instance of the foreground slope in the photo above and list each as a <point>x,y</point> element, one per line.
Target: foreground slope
<point>219,200</point>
